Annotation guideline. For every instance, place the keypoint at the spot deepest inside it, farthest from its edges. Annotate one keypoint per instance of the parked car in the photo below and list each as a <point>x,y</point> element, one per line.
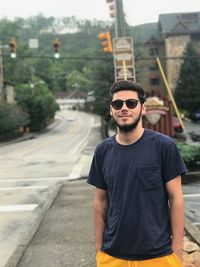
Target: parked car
<point>195,116</point>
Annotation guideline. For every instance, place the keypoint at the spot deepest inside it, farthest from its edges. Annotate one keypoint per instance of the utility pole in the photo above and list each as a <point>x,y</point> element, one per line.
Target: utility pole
<point>1,74</point>
<point>120,30</point>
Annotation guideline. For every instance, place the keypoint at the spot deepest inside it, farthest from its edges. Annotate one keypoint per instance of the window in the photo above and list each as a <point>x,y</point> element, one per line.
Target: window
<point>153,51</point>
<point>154,81</point>
<point>153,67</point>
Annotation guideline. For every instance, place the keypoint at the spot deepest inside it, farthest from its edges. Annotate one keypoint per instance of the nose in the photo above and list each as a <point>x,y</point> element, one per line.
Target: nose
<point>124,106</point>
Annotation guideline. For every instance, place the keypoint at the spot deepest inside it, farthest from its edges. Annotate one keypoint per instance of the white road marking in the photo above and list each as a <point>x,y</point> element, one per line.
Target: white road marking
<point>12,208</point>
<point>196,223</point>
<point>34,179</point>
<point>83,142</point>
<point>76,172</point>
<point>192,195</point>
<point>23,188</point>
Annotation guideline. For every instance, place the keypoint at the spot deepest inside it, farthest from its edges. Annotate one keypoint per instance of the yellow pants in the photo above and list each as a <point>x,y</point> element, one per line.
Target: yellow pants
<point>105,260</point>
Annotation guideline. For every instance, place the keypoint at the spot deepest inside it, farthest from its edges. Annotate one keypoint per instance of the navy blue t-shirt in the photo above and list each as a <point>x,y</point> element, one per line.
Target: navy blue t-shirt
<point>134,176</point>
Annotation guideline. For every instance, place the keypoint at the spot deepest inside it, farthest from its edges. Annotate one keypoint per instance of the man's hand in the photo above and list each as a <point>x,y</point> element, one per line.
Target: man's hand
<point>179,253</point>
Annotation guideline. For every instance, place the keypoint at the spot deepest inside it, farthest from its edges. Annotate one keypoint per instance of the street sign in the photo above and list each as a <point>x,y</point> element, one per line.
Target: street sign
<point>33,43</point>
<point>120,73</point>
<point>123,43</point>
<point>120,56</point>
<point>123,58</point>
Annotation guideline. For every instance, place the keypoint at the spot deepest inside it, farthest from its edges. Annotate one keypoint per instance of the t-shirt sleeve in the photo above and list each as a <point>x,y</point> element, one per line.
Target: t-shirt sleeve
<point>172,162</point>
<point>95,176</point>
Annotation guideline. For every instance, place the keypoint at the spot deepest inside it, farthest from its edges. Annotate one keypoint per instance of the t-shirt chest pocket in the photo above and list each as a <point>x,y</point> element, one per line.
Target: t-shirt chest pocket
<point>149,178</point>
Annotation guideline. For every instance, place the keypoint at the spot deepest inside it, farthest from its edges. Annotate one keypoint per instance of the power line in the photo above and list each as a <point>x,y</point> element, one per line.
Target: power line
<point>62,57</point>
<point>99,58</point>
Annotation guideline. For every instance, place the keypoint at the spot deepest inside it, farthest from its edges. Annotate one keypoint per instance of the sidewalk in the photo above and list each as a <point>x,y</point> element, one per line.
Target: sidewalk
<point>66,237</point>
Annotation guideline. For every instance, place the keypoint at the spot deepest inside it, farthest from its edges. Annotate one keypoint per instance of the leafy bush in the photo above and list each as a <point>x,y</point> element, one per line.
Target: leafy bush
<point>40,104</point>
<point>11,118</point>
<point>190,154</point>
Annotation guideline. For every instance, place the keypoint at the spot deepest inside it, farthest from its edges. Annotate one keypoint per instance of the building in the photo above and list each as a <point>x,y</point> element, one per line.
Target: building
<point>167,40</point>
<point>8,93</point>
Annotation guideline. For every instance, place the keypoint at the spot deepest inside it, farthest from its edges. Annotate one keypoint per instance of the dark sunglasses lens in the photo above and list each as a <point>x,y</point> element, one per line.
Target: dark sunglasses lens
<point>117,104</point>
<point>130,103</point>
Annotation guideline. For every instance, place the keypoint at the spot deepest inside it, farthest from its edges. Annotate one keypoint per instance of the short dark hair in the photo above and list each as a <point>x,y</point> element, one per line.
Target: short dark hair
<point>128,85</point>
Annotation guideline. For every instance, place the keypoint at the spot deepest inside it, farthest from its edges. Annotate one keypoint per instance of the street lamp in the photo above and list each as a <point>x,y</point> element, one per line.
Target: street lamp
<point>32,85</point>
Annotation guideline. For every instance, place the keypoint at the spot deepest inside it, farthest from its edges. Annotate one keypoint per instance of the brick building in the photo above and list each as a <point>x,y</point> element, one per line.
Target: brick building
<point>166,39</point>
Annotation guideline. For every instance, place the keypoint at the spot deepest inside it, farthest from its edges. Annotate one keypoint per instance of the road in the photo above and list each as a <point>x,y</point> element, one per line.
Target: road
<point>51,154</point>
<point>191,187</point>
<point>32,173</point>
<point>191,191</point>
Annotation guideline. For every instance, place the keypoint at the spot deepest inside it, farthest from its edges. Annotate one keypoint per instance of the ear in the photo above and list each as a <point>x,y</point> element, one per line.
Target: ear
<point>144,109</point>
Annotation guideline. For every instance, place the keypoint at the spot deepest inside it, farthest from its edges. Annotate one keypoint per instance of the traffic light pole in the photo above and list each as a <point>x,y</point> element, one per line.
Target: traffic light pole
<point>119,19</point>
<point>1,73</point>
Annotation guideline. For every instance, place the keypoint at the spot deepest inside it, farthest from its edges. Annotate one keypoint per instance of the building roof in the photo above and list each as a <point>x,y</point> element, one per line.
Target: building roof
<point>142,33</point>
<point>180,23</point>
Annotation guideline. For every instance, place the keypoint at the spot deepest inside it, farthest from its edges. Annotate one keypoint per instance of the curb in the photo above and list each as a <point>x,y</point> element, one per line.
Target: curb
<point>27,234</point>
<point>192,231</point>
<point>190,177</point>
<point>19,139</point>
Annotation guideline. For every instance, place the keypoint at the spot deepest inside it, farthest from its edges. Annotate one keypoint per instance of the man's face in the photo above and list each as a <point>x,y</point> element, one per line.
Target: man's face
<point>127,118</point>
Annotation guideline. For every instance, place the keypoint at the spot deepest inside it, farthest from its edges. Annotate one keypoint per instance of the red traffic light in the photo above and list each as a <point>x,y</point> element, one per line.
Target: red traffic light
<point>106,41</point>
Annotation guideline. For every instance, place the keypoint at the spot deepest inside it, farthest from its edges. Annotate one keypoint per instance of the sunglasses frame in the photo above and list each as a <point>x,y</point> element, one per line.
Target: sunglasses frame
<point>136,101</point>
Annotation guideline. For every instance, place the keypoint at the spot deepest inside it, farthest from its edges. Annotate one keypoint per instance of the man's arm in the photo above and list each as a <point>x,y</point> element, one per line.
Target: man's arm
<point>99,212</point>
<point>176,201</point>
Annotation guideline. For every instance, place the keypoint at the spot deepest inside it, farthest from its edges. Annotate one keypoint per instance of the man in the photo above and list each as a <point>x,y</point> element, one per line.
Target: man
<point>138,203</point>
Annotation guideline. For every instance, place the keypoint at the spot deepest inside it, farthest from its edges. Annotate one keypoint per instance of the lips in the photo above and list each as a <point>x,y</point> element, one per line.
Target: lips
<point>124,116</point>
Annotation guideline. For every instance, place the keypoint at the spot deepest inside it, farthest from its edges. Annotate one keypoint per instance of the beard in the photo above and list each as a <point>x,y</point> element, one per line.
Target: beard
<point>126,128</point>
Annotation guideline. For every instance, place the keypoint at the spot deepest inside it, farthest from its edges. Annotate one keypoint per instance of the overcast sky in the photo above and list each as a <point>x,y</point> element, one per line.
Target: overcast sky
<point>137,12</point>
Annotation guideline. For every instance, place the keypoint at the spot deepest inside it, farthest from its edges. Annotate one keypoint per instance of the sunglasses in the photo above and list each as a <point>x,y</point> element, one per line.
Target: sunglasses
<point>130,103</point>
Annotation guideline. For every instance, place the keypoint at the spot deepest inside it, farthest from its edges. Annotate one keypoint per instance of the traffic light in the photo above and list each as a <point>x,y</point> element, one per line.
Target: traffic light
<point>56,46</point>
<point>112,10</point>
<point>13,48</point>
<point>106,41</point>
<point>111,7</point>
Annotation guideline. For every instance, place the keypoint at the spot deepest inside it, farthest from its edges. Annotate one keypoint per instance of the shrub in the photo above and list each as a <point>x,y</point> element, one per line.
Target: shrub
<point>11,118</point>
<point>190,154</point>
<point>40,104</point>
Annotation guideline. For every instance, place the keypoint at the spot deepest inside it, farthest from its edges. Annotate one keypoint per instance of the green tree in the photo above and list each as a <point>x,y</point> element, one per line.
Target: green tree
<point>187,92</point>
<point>39,102</point>
<point>11,118</point>
<point>78,51</point>
<point>102,79</point>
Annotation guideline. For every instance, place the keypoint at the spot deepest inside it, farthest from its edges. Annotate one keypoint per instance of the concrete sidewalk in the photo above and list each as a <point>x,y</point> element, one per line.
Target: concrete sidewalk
<point>66,237</point>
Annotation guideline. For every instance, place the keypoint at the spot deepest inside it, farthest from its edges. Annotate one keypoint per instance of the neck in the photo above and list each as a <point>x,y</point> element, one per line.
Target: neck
<point>129,137</point>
